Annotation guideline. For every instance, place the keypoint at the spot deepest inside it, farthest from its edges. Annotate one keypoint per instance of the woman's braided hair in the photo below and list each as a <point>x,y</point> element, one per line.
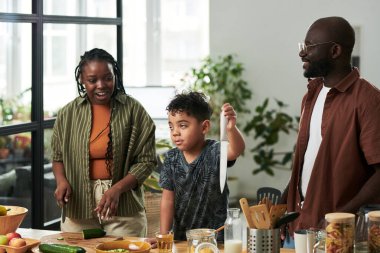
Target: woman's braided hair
<point>98,54</point>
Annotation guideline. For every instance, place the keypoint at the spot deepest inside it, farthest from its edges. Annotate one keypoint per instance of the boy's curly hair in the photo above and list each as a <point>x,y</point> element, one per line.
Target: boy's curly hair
<point>193,103</point>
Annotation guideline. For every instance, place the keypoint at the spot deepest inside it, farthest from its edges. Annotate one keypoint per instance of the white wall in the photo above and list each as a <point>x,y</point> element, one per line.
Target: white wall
<point>264,36</point>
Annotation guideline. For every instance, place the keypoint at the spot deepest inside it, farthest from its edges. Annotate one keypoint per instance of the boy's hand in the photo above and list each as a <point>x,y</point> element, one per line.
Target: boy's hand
<point>236,141</point>
<point>230,114</point>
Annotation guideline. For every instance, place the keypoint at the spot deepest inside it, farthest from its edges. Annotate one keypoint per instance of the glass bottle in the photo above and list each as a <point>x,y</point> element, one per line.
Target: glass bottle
<point>233,237</point>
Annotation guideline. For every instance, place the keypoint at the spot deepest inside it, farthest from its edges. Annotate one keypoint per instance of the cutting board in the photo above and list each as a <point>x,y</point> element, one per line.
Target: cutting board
<point>76,239</point>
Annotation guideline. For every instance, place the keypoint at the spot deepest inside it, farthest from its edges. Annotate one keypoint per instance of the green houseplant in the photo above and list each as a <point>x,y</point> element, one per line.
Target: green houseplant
<point>267,125</point>
<point>222,79</point>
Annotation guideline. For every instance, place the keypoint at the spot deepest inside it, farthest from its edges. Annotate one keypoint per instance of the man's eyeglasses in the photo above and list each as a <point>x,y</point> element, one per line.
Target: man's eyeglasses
<point>303,47</point>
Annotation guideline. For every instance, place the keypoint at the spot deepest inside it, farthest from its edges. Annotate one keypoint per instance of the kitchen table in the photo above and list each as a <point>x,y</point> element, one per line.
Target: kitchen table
<point>181,246</point>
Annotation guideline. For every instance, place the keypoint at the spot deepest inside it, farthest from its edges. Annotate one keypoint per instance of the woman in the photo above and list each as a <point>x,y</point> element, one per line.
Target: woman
<point>103,149</point>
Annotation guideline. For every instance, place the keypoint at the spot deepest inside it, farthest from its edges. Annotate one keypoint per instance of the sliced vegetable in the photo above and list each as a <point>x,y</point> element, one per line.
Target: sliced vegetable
<point>60,248</point>
<point>93,233</point>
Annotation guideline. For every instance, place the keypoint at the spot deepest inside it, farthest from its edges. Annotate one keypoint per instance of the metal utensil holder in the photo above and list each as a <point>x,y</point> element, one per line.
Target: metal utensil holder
<point>263,240</point>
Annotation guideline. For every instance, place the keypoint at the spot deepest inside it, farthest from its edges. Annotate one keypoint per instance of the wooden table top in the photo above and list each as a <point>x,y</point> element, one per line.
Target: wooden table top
<point>48,236</point>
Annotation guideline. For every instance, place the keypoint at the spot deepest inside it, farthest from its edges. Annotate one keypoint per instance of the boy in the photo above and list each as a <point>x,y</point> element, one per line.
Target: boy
<point>190,175</point>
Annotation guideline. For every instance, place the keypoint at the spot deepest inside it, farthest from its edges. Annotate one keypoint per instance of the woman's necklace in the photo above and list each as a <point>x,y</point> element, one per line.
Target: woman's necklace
<point>99,134</point>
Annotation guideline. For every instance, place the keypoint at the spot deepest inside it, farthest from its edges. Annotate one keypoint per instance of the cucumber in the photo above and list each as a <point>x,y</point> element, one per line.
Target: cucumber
<point>93,233</point>
<point>60,248</point>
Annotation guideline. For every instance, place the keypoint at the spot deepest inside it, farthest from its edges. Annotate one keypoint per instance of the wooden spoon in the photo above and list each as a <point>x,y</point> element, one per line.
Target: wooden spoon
<point>260,216</point>
<point>247,214</point>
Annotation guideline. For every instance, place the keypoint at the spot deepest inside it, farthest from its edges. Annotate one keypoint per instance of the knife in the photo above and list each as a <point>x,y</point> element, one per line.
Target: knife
<point>223,151</point>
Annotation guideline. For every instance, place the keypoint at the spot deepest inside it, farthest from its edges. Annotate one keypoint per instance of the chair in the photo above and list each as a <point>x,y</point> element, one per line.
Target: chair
<point>273,194</point>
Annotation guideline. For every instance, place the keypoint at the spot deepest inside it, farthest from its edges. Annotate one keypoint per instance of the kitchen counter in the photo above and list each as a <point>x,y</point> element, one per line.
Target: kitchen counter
<point>35,233</point>
<point>181,246</point>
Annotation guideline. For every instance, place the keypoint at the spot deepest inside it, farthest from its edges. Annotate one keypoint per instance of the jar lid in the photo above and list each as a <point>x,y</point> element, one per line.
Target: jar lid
<point>200,233</point>
<point>374,215</point>
<point>340,217</point>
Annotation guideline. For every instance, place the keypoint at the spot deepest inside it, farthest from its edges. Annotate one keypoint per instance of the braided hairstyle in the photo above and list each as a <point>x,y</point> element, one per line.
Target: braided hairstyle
<point>98,54</point>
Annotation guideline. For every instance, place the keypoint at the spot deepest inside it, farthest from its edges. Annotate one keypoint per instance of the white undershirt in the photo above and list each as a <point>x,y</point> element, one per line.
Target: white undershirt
<point>315,138</point>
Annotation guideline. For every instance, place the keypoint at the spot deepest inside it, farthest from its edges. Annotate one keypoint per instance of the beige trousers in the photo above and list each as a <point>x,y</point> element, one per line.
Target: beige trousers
<point>135,225</point>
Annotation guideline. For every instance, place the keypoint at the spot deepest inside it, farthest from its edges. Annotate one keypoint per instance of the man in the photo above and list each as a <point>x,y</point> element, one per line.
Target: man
<point>336,165</point>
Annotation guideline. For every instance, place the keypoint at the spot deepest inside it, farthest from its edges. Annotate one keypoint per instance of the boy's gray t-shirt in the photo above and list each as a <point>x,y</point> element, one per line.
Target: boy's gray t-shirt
<point>198,201</point>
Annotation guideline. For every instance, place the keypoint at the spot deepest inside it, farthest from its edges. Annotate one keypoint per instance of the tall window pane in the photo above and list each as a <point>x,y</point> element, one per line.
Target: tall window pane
<point>16,6</point>
<point>163,39</point>
<point>15,172</point>
<point>184,28</point>
<point>63,46</point>
<point>90,8</point>
<point>15,73</point>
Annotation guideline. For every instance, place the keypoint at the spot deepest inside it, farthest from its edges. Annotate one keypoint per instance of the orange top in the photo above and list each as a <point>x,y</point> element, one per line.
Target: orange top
<point>101,115</point>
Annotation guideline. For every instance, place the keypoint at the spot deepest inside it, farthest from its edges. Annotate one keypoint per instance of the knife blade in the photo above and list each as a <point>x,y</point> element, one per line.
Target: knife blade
<point>223,152</point>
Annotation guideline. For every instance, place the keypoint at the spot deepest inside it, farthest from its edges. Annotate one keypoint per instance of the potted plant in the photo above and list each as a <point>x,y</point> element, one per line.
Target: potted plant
<point>5,144</point>
<point>222,79</point>
<point>267,125</point>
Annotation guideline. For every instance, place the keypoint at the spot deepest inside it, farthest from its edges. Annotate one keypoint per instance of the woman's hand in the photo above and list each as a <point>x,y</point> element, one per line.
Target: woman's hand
<point>152,241</point>
<point>107,206</point>
<point>63,192</point>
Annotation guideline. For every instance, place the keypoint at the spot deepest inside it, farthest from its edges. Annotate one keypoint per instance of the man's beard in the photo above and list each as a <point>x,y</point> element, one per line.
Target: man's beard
<point>318,69</point>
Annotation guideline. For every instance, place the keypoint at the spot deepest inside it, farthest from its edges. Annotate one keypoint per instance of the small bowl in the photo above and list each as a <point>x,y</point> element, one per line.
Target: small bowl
<point>143,247</point>
<point>10,222</point>
<point>30,243</point>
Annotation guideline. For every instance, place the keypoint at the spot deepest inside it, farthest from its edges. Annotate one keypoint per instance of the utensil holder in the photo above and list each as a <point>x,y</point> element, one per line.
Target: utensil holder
<point>263,240</point>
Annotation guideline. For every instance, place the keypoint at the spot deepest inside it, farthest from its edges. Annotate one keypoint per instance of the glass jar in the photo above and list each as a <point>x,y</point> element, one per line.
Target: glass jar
<point>374,231</point>
<point>320,242</point>
<point>361,232</point>
<point>340,232</point>
<point>200,235</point>
<point>233,237</point>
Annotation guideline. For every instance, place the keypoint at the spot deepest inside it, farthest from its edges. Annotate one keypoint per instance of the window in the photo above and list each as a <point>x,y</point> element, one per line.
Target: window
<point>163,40</point>
<point>16,6</point>
<point>15,171</point>
<point>88,8</point>
<point>15,73</point>
<point>39,50</point>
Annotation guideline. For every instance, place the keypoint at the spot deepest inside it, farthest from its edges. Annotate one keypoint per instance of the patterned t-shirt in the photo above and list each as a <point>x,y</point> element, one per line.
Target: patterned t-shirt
<point>198,201</point>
